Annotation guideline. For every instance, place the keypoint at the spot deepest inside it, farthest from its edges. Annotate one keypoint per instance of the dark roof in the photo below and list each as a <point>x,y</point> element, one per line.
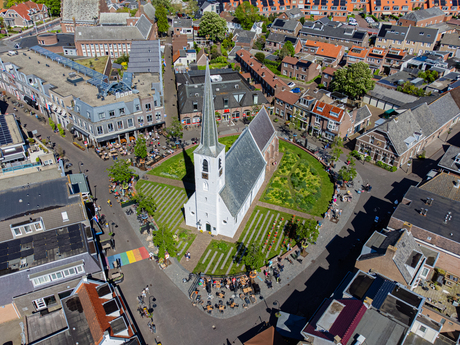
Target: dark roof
<point>144,57</point>
<point>334,30</point>
<point>34,197</point>
<point>424,14</point>
<point>397,78</point>
<point>393,32</point>
<point>262,129</point>
<point>244,33</point>
<point>391,96</point>
<point>443,184</point>
<point>182,23</point>
<point>451,159</point>
<point>362,114</point>
<point>434,220</point>
<point>275,37</point>
<point>243,165</point>
<point>451,40</point>
<point>283,24</point>
<point>424,35</point>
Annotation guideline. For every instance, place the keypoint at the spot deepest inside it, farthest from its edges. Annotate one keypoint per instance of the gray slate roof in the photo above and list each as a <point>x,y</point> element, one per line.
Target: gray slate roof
<point>362,114</point>
<point>424,14</point>
<point>444,108</point>
<point>282,24</point>
<point>81,10</point>
<point>113,18</point>
<point>182,23</point>
<point>448,159</point>
<point>244,33</point>
<point>262,129</point>
<point>333,30</point>
<point>451,40</point>
<point>144,26</point>
<point>294,12</point>
<point>391,96</point>
<point>424,35</point>
<point>149,11</point>
<point>274,37</point>
<point>209,144</point>
<point>145,57</point>
<point>243,165</point>
<point>393,32</point>
<point>83,33</point>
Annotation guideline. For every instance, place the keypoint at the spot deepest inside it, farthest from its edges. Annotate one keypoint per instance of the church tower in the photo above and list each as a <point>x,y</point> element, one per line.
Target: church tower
<point>209,161</point>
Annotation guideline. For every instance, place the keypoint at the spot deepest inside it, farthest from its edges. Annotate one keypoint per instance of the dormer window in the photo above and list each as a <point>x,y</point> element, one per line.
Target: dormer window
<point>320,108</point>
<point>457,159</point>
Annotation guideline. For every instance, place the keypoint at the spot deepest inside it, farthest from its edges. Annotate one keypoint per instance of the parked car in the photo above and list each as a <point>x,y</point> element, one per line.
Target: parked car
<point>353,23</point>
<point>291,84</point>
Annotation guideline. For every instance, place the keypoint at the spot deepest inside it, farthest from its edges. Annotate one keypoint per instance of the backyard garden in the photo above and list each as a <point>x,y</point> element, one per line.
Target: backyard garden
<point>301,183</point>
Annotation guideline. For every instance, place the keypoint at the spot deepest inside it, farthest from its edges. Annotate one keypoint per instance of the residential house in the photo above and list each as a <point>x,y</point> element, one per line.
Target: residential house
<point>356,54</point>
<point>397,7</point>
<point>285,104</point>
<point>416,40</point>
<point>270,83</point>
<point>232,22</point>
<point>286,26</point>
<point>94,312</point>
<point>201,58</point>
<point>435,61</point>
<point>244,38</point>
<point>375,59</point>
<point>407,134</point>
<point>450,43</point>
<point>257,27</point>
<point>327,53</point>
<point>233,97</point>
<point>294,13</point>
<point>451,160</point>
<point>76,13</point>
<point>400,78</point>
<point>182,26</point>
<point>180,42</point>
<point>182,58</point>
<point>393,60</point>
<point>450,9</point>
<point>299,69</point>
<point>46,243</point>
<point>396,255</point>
<point>445,83</point>
<point>327,76</point>
<point>361,304</point>
<point>209,7</point>
<point>334,33</point>
<point>12,143</point>
<point>25,14</point>
<point>276,42</point>
<point>331,120</point>
<point>423,17</point>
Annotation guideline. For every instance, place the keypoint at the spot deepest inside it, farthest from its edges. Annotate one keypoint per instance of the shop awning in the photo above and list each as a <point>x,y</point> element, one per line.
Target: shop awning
<point>81,131</point>
<point>108,137</point>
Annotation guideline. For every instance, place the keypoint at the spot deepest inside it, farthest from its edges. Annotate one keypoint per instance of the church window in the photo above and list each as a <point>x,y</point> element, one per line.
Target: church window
<point>220,167</point>
<point>205,186</point>
<point>205,166</point>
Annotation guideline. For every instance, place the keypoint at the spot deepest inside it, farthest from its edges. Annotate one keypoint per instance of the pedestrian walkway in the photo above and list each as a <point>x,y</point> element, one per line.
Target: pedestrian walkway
<point>287,210</point>
<point>196,250</point>
<point>128,257</point>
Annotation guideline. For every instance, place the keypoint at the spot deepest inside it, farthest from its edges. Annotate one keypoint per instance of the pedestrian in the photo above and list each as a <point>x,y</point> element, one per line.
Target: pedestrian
<point>288,246</point>
<point>144,294</point>
<point>147,289</point>
<point>340,212</point>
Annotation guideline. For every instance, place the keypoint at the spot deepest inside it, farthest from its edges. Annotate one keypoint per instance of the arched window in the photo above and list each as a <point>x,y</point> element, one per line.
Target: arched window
<point>205,186</point>
<point>220,163</point>
<point>205,166</point>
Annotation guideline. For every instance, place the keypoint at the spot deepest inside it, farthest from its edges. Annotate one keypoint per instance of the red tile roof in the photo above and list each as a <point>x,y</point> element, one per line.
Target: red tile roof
<point>329,70</point>
<point>94,311</point>
<point>23,8</point>
<point>268,76</point>
<point>357,51</point>
<point>345,323</point>
<point>288,97</point>
<point>325,49</point>
<point>325,109</point>
<point>290,60</point>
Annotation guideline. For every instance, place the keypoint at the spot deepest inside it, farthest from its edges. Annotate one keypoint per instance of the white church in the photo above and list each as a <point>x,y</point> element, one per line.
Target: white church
<point>227,183</point>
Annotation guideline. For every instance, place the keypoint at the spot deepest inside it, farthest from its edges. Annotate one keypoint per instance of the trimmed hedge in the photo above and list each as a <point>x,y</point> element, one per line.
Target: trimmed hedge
<point>386,166</point>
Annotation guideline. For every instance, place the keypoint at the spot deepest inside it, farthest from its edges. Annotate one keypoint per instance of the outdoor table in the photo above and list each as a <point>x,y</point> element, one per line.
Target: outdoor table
<point>116,275</point>
<point>218,284</point>
<point>221,295</point>
<point>253,275</point>
<point>221,307</point>
<point>209,307</point>
<point>246,290</point>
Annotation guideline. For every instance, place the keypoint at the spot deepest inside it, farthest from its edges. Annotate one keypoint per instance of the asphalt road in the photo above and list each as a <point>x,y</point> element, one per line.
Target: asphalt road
<point>177,321</point>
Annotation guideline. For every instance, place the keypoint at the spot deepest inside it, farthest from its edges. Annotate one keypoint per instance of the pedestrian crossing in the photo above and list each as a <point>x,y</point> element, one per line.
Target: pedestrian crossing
<point>128,257</point>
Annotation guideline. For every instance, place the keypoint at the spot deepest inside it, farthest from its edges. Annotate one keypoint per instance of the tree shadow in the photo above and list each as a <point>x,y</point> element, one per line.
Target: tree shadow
<point>189,178</point>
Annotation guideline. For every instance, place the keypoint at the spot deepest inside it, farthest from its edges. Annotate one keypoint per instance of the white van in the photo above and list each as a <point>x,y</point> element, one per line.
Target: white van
<point>12,53</point>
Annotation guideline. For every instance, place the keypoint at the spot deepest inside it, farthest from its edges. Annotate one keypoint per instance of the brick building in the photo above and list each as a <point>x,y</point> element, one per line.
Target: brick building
<point>287,27</point>
<point>25,14</point>
<point>76,13</point>
<point>450,43</point>
<point>327,76</point>
<point>407,134</point>
<point>276,42</point>
<point>329,54</point>
<point>396,7</point>
<point>299,69</point>
<point>415,40</point>
<point>425,17</point>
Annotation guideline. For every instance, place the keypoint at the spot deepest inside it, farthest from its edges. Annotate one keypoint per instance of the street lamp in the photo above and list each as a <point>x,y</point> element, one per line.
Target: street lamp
<point>95,198</point>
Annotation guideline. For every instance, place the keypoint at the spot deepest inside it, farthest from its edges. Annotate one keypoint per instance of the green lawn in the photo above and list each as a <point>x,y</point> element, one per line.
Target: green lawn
<point>180,167</point>
<point>264,227</point>
<point>169,200</point>
<point>300,183</point>
<point>98,64</point>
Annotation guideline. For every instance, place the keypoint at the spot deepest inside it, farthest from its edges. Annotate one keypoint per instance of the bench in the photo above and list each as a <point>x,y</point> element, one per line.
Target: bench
<point>116,275</point>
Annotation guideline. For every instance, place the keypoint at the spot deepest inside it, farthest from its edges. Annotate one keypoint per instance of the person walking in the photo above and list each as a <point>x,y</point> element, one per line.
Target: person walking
<point>147,289</point>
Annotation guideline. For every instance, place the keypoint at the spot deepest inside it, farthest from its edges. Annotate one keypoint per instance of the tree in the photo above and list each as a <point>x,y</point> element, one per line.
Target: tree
<point>123,58</point>
<point>337,142</point>
<point>53,5</point>
<point>192,8</point>
<point>284,51</point>
<point>264,28</point>
<point>259,43</point>
<point>175,130</point>
<point>120,171</point>
<point>213,25</point>
<point>162,19</point>
<point>351,160</point>
<point>307,231</point>
<point>254,258</point>
<point>336,153</point>
<point>215,52</point>
<point>247,14</point>
<point>260,56</point>
<point>347,173</point>
<point>290,47</point>
<point>145,203</point>
<point>302,20</point>
<point>354,80</point>
<point>140,149</point>
<point>166,4</point>
<point>164,240</point>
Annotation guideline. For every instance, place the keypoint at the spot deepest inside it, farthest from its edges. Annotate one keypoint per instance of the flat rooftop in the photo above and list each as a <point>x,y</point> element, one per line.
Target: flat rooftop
<point>31,63</point>
<point>12,128</point>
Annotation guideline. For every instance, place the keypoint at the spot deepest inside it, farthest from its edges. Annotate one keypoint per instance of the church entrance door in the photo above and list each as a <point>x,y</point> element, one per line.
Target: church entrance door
<point>208,227</point>
<point>225,117</point>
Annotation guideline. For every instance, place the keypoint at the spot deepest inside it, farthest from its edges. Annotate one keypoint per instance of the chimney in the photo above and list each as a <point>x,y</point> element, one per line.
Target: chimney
<point>368,302</point>
<point>337,340</point>
<point>391,249</point>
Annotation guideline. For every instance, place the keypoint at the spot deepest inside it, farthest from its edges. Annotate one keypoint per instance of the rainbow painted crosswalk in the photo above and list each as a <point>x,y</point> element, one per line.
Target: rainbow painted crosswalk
<point>128,257</point>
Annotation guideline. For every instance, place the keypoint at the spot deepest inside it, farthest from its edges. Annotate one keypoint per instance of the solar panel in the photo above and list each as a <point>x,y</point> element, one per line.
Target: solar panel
<point>3,266</point>
<point>4,258</point>
<point>27,252</point>
<point>15,249</point>
<point>28,239</point>
<point>40,243</point>
<point>39,256</point>
<point>13,256</point>
<point>3,245</point>
<point>5,135</point>
<point>75,240</point>
<point>75,227</point>
<point>75,246</point>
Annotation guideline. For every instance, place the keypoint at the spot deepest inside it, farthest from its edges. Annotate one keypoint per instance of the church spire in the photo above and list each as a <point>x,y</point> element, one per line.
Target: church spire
<point>209,144</point>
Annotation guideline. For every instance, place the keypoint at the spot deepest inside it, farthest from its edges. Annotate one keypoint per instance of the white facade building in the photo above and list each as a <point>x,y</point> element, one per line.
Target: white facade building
<point>227,183</point>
